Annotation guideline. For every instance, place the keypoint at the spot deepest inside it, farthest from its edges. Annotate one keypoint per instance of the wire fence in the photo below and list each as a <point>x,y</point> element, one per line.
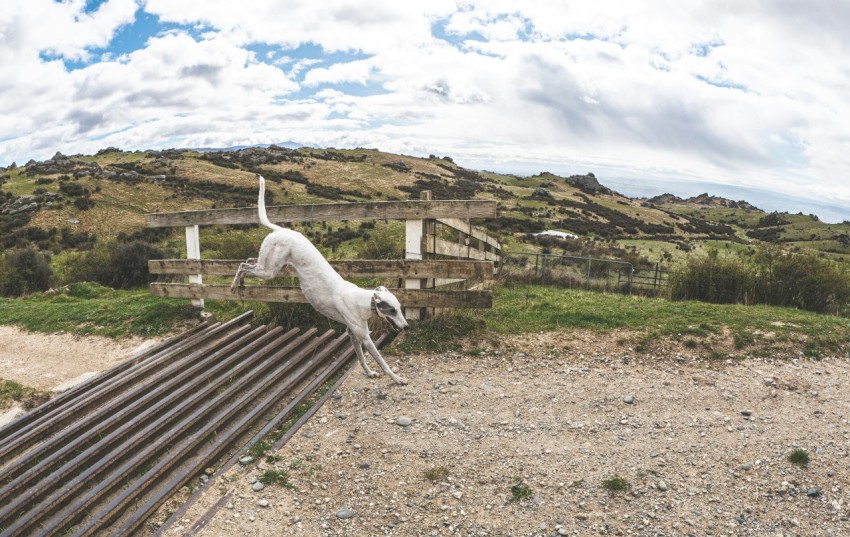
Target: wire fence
<point>584,272</point>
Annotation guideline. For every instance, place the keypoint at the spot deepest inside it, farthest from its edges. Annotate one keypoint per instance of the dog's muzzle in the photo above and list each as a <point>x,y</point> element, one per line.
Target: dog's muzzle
<point>397,328</point>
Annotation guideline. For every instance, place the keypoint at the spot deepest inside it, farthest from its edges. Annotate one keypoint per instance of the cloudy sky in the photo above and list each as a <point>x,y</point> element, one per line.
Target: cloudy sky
<point>654,94</point>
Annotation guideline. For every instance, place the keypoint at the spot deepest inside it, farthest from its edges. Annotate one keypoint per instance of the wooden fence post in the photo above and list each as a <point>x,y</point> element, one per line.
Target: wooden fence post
<point>416,236</point>
<point>193,251</point>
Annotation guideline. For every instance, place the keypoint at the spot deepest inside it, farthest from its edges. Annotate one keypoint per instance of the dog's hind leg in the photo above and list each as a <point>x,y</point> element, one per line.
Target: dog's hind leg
<point>239,279</point>
<point>358,349</point>
<point>373,350</point>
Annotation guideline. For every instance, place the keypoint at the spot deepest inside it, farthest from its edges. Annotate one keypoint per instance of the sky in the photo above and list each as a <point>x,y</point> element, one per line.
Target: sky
<point>652,96</point>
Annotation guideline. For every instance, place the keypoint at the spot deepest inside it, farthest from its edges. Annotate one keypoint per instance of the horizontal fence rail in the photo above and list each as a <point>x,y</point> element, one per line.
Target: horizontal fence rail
<point>414,298</point>
<point>377,210</point>
<point>448,262</point>
<point>363,268</point>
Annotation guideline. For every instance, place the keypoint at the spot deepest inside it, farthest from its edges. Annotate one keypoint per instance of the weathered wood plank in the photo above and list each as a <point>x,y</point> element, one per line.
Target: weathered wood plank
<point>464,227</point>
<point>453,249</point>
<point>413,298</point>
<point>377,210</point>
<point>365,268</point>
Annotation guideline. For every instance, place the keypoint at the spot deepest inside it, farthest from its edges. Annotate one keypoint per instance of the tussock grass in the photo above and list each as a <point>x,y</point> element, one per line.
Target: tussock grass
<point>799,457</point>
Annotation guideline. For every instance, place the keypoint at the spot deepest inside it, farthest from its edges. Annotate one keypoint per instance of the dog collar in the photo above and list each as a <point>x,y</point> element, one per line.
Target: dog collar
<point>374,305</point>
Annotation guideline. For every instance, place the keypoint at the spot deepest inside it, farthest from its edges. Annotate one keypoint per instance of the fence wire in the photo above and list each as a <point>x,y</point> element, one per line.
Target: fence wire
<point>584,272</point>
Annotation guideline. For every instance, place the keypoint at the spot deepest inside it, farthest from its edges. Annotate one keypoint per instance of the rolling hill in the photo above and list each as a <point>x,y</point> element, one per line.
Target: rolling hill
<point>66,202</point>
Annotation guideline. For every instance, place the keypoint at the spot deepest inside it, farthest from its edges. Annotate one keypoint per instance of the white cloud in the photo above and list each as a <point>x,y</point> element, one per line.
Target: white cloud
<point>739,93</point>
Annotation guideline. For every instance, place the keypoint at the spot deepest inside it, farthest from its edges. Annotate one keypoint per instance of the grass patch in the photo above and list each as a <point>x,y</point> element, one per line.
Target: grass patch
<point>616,484</point>
<point>799,457</point>
<point>526,308</point>
<point>437,473</point>
<point>12,392</point>
<point>90,309</point>
<point>276,477</point>
<point>520,491</point>
<point>442,333</point>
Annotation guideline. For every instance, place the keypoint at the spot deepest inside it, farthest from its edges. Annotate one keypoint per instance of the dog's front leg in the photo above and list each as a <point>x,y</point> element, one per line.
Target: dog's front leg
<point>358,349</point>
<point>373,350</point>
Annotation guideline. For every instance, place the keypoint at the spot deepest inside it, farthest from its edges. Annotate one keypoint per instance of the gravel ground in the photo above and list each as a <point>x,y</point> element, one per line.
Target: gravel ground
<point>519,438</point>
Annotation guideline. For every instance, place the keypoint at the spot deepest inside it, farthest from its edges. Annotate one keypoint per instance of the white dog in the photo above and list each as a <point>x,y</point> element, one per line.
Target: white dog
<point>323,287</point>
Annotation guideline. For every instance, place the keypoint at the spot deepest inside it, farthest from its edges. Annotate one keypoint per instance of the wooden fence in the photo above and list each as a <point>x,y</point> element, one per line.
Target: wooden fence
<point>448,263</point>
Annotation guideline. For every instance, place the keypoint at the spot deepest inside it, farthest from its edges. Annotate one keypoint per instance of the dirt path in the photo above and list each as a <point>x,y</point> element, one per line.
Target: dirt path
<point>56,361</point>
<point>519,441</point>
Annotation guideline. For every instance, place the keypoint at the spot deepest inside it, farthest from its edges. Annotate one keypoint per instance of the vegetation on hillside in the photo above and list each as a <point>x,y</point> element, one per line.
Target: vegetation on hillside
<point>80,218</point>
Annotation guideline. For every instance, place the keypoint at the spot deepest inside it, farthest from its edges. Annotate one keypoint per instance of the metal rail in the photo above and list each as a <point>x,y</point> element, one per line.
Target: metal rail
<point>104,456</point>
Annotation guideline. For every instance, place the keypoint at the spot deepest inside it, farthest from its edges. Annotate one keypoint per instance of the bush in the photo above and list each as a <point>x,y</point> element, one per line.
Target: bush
<point>24,271</point>
<point>804,281</point>
<point>129,264</point>
<point>771,277</point>
<point>238,245</point>
<point>121,266</point>
<point>381,244</point>
<point>720,280</point>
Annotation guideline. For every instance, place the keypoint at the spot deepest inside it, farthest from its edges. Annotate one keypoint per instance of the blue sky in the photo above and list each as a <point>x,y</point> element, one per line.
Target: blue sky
<point>750,96</point>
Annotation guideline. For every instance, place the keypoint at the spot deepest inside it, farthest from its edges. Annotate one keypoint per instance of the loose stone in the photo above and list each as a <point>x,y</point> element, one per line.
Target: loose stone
<point>258,487</point>
<point>246,460</point>
<point>629,399</point>
<point>263,503</point>
<point>404,421</point>
<point>345,513</point>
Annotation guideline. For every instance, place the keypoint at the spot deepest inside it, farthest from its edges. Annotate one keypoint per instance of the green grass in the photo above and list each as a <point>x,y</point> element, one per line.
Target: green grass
<point>13,392</point>
<point>89,309</point>
<point>799,457</point>
<point>520,491</point>
<point>520,308</point>
<point>276,477</point>
<point>437,473</point>
<point>616,484</point>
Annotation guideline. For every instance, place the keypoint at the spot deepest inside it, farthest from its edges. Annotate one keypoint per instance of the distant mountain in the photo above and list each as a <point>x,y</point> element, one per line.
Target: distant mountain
<point>702,199</point>
<point>287,145</point>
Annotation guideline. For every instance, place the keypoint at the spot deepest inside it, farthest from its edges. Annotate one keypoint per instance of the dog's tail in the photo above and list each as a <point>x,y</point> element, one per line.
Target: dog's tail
<point>261,206</point>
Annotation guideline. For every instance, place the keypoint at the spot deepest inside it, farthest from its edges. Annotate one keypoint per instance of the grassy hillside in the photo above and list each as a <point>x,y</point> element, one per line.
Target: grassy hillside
<point>647,325</point>
<point>107,195</point>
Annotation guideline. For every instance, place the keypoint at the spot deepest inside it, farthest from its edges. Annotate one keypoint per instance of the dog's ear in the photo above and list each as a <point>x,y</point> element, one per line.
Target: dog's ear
<point>380,289</point>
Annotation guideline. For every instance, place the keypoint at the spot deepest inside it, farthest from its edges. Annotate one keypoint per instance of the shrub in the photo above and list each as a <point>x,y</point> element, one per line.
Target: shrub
<point>806,282</point>
<point>129,264</point>
<point>381,244</point>
<point>238,245</point>
<point>121,266</point>
<point>24,271</point>
<point>798,280</point>
<point>712,278</point>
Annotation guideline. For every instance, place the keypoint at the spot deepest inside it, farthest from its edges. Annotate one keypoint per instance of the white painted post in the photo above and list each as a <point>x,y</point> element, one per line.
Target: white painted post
<point>193,251</point>
<point>414,232</point>
<point>413,250</point>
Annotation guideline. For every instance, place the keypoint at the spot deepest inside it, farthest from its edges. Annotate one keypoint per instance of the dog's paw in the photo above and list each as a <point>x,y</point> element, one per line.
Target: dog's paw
<point>400,381</point>
<point>373,374</point>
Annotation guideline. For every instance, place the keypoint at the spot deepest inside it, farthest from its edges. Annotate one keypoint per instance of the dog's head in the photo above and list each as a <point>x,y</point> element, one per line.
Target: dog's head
<point>388,307</point>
